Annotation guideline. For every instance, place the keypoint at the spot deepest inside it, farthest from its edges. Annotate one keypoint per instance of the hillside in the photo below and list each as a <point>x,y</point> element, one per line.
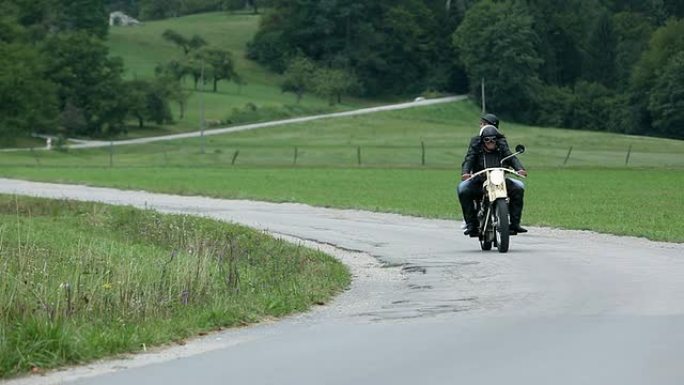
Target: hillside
<point>142,48</point>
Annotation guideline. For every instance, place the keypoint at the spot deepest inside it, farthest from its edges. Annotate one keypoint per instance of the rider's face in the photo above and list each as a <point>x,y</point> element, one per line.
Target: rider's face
<point>489,143</point>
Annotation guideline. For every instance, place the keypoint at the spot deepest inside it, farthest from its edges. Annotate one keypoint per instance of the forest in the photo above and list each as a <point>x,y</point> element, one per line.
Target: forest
<point>607,65</point>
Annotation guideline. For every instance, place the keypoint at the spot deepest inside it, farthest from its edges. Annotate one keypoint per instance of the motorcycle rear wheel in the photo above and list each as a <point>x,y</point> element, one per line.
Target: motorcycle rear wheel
<point>501,232</point>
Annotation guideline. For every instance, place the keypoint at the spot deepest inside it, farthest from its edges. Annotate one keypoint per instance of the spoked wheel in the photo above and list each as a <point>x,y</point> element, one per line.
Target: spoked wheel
<point>485,245</point>
<point>485,221</point>
<point>501,231</point>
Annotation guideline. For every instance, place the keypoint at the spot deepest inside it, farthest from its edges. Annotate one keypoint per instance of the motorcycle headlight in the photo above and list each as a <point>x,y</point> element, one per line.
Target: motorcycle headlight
<point>497,177</point>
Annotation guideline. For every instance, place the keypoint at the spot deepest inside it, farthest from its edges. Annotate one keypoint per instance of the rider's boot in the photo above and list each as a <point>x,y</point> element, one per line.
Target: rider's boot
<point>516,207</point>
<point>472,230</point>
<point>470,216</point>
<point>515,227</point>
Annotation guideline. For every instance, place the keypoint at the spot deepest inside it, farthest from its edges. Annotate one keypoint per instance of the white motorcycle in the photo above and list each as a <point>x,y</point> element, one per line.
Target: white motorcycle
<point>492,212</point>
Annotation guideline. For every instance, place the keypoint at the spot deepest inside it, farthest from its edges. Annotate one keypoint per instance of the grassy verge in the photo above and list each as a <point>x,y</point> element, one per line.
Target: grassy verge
<point>79,281</point>
<point>638,202</point>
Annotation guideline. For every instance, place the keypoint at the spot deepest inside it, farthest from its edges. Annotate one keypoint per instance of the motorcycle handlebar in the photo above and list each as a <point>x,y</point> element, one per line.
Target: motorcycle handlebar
<point>514,154</point>
<point>495,168</point>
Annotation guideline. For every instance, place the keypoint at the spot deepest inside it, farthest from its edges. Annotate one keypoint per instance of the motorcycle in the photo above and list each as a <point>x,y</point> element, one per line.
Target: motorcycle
<point>492,210</point>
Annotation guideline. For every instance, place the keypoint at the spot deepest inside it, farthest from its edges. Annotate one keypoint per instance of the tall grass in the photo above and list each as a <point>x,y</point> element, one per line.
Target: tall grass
<point>80,281</point>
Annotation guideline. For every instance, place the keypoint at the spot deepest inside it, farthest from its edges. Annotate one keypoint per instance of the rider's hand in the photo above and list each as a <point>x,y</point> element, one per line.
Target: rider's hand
<point>466,176</point>
<point>522,172</point>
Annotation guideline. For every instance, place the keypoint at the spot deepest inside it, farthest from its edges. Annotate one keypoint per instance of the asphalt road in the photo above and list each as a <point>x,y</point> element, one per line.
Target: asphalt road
<point>428,307</point>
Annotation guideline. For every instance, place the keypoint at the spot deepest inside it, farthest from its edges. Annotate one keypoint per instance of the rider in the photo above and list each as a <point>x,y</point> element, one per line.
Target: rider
<point>492,120</point>
<point>488,150</point>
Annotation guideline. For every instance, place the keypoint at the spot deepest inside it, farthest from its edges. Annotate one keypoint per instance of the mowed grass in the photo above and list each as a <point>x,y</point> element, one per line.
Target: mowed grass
<point>387,139</point>
<point>142,48</point>
<point>593,190</point>
<point>79,281</point>
<point>646,203</point>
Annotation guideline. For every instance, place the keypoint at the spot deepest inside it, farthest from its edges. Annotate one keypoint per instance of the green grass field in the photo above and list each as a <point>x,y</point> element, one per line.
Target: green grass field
<point>388,139</point>
<point>637,202</point>
<point>142,48</point>
<point>80,281</point>
<point>595,190</point>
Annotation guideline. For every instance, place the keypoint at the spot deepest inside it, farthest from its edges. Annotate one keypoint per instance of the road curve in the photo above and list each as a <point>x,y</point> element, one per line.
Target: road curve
<point>562,307</point>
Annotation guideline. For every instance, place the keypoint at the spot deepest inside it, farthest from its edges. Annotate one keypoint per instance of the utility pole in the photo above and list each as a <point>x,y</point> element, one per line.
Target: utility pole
<point>202,108</point>
<point>484,109</point>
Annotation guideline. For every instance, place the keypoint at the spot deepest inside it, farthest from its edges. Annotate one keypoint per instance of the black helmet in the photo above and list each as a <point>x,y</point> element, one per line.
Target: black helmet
<point>489,130</point>
<point>490,119</point>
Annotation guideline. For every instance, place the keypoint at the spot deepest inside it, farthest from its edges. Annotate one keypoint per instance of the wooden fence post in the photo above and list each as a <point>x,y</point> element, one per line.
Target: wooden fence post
<point>422,156</point>
<point>629,151</point>
<point>358,155</point>
<point>235,155</point>
<point>35,155</point>
<point>567,156</point>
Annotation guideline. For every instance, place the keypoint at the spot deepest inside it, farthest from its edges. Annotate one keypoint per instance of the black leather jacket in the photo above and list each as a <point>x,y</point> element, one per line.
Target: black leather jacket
<point>476,157</point>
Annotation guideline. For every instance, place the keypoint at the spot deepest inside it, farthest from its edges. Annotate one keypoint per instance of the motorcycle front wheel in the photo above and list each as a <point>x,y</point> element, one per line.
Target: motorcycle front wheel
<point>485,245</point>
<point>501,232</point>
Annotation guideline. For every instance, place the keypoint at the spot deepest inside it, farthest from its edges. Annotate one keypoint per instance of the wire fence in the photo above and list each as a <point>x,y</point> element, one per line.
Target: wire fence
<point>420,155</point>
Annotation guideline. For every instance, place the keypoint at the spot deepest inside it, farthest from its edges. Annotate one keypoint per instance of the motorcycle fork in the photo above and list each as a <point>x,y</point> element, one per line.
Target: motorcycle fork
<point>486,227</point>
<point>484,231</point>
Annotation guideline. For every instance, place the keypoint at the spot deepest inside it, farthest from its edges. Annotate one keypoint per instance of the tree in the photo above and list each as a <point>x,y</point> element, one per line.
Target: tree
<point>194,65</point>
<point>333,83</point>
<point>666,42</point>
<point>27,100</point>
<point>85,15</point>
<point>404,49</point>
<point>503,52</point>
<point>148,101</point>
<point>633,34</point>
<point>600,60</point>
<point>561,27</point>
<point>666,101</point>
<point>188,45</point>
<point>87,78</point>
<point>136,97</point>
<point>159,9</point>
<point>221,65</point>
<point>174,69</point>
<point>391,46</point>
<point>235,5</point>
<point>171,76</point>
<point>129,7</point>
<point>298,76</point>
